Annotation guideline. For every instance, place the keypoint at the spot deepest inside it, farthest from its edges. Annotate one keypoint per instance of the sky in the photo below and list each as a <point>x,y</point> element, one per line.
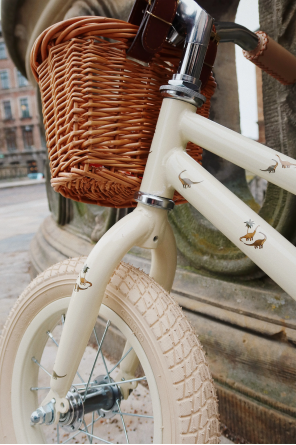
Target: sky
<point>247,15</point>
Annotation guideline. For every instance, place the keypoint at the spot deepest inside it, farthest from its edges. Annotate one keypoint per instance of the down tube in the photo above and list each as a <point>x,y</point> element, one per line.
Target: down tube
<point>267,248</point>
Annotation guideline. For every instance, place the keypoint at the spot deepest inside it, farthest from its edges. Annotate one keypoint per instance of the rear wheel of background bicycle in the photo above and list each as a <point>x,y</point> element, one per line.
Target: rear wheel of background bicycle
<point>174,401</point>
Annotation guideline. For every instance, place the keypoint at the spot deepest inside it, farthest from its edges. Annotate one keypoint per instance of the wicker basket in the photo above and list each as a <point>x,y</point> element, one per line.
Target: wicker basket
<point>100,108</point>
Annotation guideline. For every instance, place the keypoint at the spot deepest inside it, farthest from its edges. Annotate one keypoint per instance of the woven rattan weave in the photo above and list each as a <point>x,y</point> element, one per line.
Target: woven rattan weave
<point>100,108</point>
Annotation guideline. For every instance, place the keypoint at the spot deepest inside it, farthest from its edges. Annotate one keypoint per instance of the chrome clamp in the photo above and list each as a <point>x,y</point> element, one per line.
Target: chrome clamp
<point>182,93</point>
<point>154,201</point>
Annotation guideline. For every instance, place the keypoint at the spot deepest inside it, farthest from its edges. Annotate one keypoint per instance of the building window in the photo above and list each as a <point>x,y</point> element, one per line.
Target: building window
<point>4,78</point>
<point>21,80</point>
<point>7,109</point>
<point>10,136</point>
<point>3,54</point>
<point>32,166</point>
<point>25,107</point>
<point>28,137</point>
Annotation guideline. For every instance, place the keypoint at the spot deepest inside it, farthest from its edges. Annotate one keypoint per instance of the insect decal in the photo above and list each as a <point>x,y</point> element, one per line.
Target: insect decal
<point>83,284</point>
<point>271,168</point>
<point>55,376</point>
<point>186,182</point>
<point>258,244</point>
<point>286,164</point>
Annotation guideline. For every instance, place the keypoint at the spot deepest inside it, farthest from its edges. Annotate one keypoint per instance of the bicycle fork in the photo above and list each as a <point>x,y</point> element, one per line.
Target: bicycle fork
<point>145,227</point>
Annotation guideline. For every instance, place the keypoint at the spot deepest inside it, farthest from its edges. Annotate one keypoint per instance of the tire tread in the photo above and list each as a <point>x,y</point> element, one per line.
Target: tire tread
<point>192,381</point>
<point>195,394</point>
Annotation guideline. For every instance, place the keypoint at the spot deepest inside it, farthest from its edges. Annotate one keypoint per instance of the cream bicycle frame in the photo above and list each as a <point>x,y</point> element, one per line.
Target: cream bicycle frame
<point>148,227</point>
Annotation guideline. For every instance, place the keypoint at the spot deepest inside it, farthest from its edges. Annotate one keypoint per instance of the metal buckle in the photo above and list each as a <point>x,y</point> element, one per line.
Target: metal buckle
<point>215,37</point>
<point>159,18</point>
<point>154,201</point>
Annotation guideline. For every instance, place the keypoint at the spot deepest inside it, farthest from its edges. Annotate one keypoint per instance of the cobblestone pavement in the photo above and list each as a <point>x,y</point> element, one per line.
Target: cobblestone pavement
<point>22,209</point>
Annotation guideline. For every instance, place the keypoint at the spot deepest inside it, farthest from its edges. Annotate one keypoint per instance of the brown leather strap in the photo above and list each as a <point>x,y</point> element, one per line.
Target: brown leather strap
<point>154,19</point>
<point>137,12</point>
<point>153,32</point>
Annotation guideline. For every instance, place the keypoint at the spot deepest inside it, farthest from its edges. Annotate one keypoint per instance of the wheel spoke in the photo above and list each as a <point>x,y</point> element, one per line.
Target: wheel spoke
<point>56,343</point>
<point>40,366</point>
<point>122,420</point>
<point>103,358</point>
<point>52,338</point>
<point>119,383</point>
<point>135,415</point>
<point>92,425</point>
<point>85,426</point>
<point>106,368</point>
<point>97,355</point>
<point>82,431</point>
<point>37,388</point>
<point>90,435</point>
<point>115,366</point>
<point>94,437</point>
<point>72,437</point>
<point>95,333</point>
<point>95,421</point>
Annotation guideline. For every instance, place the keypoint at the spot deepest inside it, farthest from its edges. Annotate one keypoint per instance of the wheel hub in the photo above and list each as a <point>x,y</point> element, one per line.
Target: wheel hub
<point>105,399</point>
<point>72,420</point>
<point>113,408</point>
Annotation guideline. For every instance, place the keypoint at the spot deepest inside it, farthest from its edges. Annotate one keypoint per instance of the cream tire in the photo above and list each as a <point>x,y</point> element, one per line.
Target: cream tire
<point>183,396</point>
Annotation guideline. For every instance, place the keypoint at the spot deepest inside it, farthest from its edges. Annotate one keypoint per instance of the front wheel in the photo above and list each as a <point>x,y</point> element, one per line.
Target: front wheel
<point>175,399</point>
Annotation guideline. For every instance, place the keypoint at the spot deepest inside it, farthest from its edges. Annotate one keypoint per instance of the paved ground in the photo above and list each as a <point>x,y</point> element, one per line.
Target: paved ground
<point>20,182</point>
<point>22,209</point>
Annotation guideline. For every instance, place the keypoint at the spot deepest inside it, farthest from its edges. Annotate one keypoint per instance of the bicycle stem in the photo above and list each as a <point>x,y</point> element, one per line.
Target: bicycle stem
<point>194,26</point>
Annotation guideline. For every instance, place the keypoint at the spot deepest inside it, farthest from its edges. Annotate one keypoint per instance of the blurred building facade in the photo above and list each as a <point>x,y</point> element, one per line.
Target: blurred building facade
<point>22,149</point>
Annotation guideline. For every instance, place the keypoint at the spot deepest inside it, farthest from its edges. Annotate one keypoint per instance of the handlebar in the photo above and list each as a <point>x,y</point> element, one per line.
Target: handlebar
<point>260,49</point>
<point>186,24</point>
<point>274,59</point>
<point>192,25</point>
<point>241,36</point>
